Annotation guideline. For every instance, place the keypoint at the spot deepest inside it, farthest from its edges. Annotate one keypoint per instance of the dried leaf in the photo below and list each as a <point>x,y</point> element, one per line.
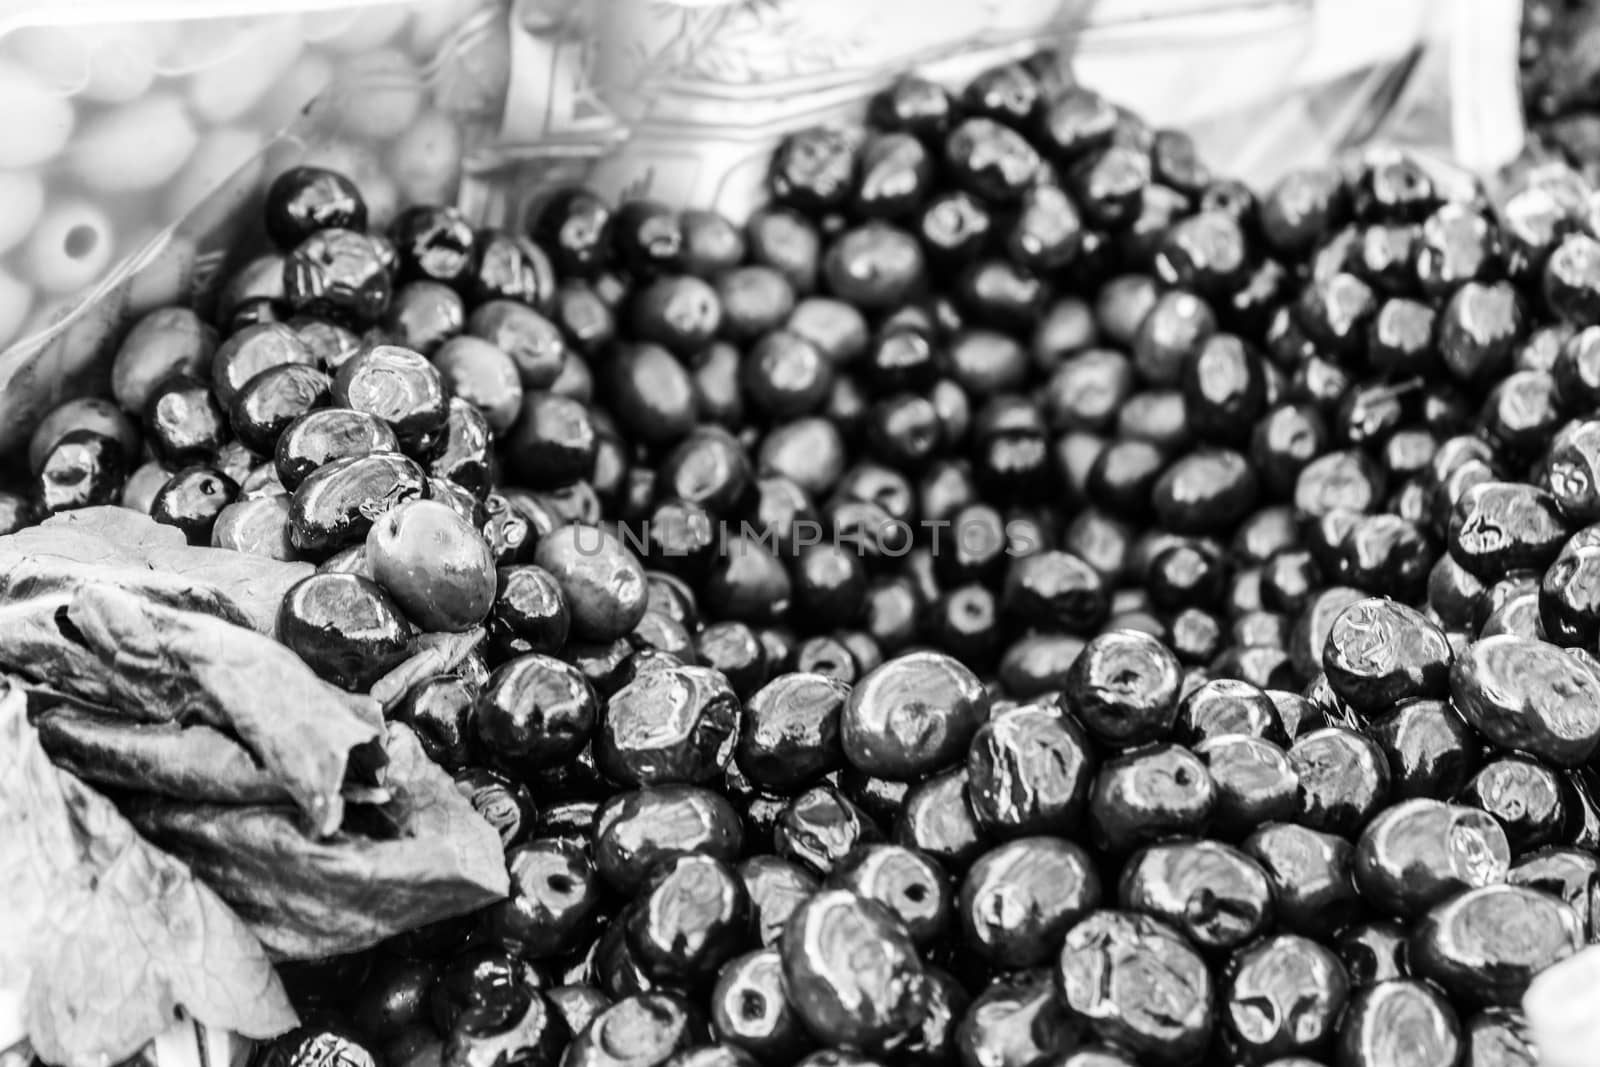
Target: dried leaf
<point>194,762</point>
<point>123,540</point>
<point>307,899</point>
<point>141,658</point>
<point>109,937</point>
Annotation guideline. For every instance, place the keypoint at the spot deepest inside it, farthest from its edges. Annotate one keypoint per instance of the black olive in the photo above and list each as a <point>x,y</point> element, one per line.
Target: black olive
<point>337,274</point>
<point>1136,983</point>
<point>303,200</point>
<point>399,387</point>
<point>192,500</point>
<point>84,469</point>
<point>433,243</point>
<point>345,627</point>
<point>266,405</point>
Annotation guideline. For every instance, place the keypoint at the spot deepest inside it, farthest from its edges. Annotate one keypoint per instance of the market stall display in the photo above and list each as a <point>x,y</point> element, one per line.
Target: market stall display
<point>1009,594</point>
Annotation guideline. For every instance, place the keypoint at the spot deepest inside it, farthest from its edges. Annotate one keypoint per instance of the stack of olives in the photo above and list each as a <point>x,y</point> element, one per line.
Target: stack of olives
<point>1020,600</point>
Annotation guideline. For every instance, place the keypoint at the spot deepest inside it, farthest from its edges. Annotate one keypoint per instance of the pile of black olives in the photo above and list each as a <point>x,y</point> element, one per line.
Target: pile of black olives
<point>1020,600</point>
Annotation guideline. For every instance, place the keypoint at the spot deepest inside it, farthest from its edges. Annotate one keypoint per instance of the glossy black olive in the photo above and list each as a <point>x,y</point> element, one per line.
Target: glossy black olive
<point>1137,984</point>
<point>1020,898</point>
<point>339,502</point>
<point>909,883</point>
<point>397,386</point>
<point>303,200</point>
<point>1522,693</point>
<point>642,1030</point>
<point>192,500</point>
<point>840,1000</point>
<point>83,469</point>
<point>345,627</point>
<point>337,274</point>
<point>1485,945</point>
<point>671,725</point>
<point>1029,772</point>
<point>1219,897</point>
<point>433,243</point>
<point>1313,889</point>
<point>1422,851</point>
<point>789,731</point>
<point>751,1008</point>
<point>1283,995</point>
<point>913,715</point>
<point>183,423</point>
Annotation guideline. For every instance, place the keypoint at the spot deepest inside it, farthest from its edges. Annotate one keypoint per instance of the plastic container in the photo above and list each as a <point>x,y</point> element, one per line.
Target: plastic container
<point>678,99</point>
<point>143,144</point>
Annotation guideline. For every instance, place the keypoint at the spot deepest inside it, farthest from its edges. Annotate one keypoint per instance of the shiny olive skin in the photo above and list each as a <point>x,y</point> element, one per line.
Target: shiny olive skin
<point>319,437</point>
<point>537,1036</point>
<point>422,316</point>
<point>1421,851</point>
<point>789,731</point>
<point>911,884</point>
<point>397,386</point>
<point>183,422</point>
<point>529,613</point>
<point>1136,983</point>
<point>86,413</point>
<point>929,693</point>
<point>266,405</point>
<point>1284,995</point>
<point>819,827</point>
<point>338,503</point>
<point>439,712</point>
<point>1344,779</point>
<point>256,526</point>
<point>1522,693</point>
<point>433,243</point>
<point>1485,945</point>
<point>750,1008</point>
<point>307,1045</point>
<point>601,581</point>
<point>434,563</point>
<point>854,974</point>
<point>192,500</point>
<point>534,343</point>
<point>776,887</point>
<point>573,226</point>
<point>338,274</point>
<point>553,442</point>
<point>688,919</point>
<point>642,1030</point>
<point>509,267</point>
<point>535,712</point>
<point>302,200</point>
<point>1254,780</point>
<point>1526,797</point>
<point>1019,899</point>
<point>251,351</point>
<point>1215,894</point>
<point>676,724</point>
<point>1149,792</point>
<point>635,830</point>
<point>1018,1018</point>
<point>83,469</point>
<point>479,989</point>
<point>1123,687</point>
<point>345,627</point>
<point>1313,888</point>
<point>1028,771</point>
